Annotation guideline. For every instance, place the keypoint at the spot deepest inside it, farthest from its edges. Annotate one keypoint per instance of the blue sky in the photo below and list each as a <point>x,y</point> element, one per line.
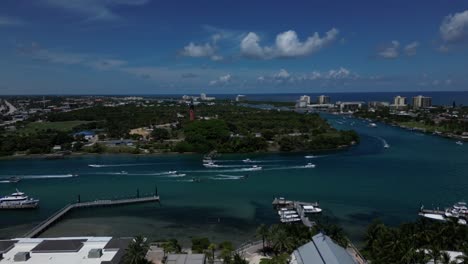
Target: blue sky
<point>153,46</point>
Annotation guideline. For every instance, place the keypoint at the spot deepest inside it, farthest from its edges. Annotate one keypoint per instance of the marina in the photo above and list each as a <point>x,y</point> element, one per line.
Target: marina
<point>458,213</point>
<point>295,211</point>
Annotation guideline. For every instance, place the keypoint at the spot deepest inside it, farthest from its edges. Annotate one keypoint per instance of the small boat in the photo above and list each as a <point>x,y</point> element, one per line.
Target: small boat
<point>254,168</point>
<point>247,161</point>
<point>207,160</point>
<point>372,125</point>
<point>172,172</point>
<point>459,143</point>
<point>309,165</point>
<point>211,165</point>
<point>94,166</point>
<point>18,200</point>
<point>309,156</point>
<point>386,145</point>
<point>14,179</point>
<point>311,209</point>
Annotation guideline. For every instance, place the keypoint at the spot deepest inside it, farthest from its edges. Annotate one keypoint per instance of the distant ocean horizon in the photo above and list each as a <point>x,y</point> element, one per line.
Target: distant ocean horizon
<point>438,97</point>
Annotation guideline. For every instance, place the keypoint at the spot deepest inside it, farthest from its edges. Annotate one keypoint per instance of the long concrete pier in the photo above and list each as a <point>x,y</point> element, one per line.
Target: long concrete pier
<point>44,225</point>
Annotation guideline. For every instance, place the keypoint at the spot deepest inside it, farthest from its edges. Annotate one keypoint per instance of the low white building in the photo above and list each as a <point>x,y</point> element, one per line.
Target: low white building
<point>64,250</point>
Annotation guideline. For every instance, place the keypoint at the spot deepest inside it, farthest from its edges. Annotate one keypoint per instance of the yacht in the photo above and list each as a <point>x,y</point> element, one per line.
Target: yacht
<point>18,200</point>
<point>459,143</point>
<point>457,210</point>
<point>309,165</point>
<point>211,165</point>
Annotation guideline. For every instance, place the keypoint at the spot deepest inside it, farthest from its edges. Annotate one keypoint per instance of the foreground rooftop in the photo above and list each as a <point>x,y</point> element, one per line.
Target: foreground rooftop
<point>70,250</point>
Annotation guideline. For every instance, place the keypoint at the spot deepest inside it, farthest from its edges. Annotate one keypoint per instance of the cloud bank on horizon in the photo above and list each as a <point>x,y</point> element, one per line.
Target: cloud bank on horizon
<point>145,46</point>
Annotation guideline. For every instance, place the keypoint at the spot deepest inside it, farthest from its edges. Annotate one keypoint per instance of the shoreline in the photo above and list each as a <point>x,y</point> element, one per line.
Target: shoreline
<point>421,130</point>
<point>83,154</point>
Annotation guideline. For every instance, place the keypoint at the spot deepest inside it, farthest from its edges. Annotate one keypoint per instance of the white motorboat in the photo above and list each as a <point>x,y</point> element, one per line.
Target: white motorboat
<point>247,160</point>
<point>310,209</point>
<point>254,168</point>
<point>309,165</point>
<point>372,125</point>
<point>459,143</point>
<point>211,165</point>
<point>386,145</point>
<point>309,156</point>
<point>18,200</point>
<point>172,172</point>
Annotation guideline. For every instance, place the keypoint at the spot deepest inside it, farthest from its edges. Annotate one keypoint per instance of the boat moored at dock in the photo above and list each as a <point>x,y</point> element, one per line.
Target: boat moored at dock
<point>458,212</point>
<point>18,200</point>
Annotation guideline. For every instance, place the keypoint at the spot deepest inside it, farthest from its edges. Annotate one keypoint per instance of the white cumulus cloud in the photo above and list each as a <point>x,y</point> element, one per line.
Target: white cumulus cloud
<point>197,51</point>
<point>287,45</point>
<point>454,27</point>
<point>222,80</point>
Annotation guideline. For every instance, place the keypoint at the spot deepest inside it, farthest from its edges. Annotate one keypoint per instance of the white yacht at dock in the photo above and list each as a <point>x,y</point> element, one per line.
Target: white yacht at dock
<point>18,200</point>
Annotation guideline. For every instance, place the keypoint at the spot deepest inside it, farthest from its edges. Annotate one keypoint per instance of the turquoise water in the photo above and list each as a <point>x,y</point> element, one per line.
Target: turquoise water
<point>353,187</point>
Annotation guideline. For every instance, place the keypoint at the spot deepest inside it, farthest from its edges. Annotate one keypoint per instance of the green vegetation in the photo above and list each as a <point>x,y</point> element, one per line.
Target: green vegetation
<point>416,242</point>
<point>136,251</point>
<point>224,127</point>
<point>65,126</point>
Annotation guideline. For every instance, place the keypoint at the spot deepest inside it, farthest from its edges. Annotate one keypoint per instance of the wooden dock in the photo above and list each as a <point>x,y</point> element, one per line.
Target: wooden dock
<point>44,225</point>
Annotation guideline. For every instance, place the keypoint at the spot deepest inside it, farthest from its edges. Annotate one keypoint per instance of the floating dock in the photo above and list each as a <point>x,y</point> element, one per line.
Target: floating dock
<point>62,212</point>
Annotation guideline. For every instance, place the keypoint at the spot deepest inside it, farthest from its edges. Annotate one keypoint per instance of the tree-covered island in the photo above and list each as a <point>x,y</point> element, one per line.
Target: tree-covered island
<point>166,127</point>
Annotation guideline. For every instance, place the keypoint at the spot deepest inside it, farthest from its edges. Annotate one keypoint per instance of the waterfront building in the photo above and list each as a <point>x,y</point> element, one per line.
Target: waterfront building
<point>422,101</point>
<point>323,99</point>
<point>79,250</point>
<point>321,250</point>
<point>303,101</point>
<point>203,97</point>
<point>399,102</point>
<point>376,104</point>
<point>349,106</point>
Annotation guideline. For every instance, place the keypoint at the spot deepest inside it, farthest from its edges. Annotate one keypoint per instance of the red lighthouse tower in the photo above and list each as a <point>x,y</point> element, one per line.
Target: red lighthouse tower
<point>192,112</point>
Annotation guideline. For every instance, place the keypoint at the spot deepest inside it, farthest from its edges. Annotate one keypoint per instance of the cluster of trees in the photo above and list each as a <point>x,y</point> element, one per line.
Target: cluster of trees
<point>35,143</point>
<point>230,129</point>
<point>415,243</point>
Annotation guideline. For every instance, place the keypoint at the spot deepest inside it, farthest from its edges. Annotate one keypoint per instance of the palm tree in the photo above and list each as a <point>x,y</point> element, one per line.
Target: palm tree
<point>136,251</point>
<point>171,246</point>
<point>212,248</point>
<point>262,232</point>
<point>280,240</point>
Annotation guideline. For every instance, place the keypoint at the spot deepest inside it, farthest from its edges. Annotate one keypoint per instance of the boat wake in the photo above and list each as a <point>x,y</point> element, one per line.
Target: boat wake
<point>34,177</point>
<point>384,142</point>
<point>120,165</point>
<point>222,177</point>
